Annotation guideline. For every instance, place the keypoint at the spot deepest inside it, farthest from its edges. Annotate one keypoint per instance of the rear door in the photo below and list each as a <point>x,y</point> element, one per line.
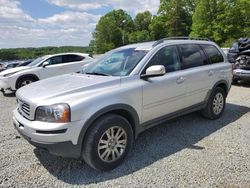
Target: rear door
<point>72,63</point>
<point>196,73</point>
<point>219,69</point>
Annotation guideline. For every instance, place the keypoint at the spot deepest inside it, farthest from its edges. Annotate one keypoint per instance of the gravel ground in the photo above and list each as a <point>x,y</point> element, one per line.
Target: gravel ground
<point>186,152</point>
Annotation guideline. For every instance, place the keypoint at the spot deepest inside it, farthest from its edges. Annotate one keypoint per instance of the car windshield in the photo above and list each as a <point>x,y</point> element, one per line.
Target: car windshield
<point>37,61</point>
<point>117,63</point>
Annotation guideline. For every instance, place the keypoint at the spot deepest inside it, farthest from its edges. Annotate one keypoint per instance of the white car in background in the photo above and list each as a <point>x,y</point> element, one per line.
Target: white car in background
<point>41,68</point>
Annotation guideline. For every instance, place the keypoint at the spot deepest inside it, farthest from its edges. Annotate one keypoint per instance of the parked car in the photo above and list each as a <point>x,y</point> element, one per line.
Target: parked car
<point>5,66</point>
<point>2,65</point>
<point>239,56</point>
<point>25,63</point>
<point>96,116</point>
<point>41,68</point>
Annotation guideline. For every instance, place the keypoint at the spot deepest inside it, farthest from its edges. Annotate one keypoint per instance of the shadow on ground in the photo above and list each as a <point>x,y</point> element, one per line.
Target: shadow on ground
<point>151,146</point>
<point>242,84</point>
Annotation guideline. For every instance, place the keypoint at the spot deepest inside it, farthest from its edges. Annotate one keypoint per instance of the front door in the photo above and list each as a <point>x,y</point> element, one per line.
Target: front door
<point>163,94</point>
<point>53,68</point>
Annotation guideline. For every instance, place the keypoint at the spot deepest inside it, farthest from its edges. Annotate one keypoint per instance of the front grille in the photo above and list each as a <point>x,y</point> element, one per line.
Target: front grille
<point>24,108</point>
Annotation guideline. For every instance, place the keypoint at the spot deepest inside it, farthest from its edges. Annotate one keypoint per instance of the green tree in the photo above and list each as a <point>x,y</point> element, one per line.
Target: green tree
<point>112,30</point>
<point>221,20</point>
<point>142,21</point>
<point>158,28</point>
<point>139,36</point>
<point>141,33</point>
<point>177,15</point>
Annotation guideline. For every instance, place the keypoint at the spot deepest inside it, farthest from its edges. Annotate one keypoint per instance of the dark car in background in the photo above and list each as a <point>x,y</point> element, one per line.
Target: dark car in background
<point>9,65</point>
<point>5,66</point>
<point>239,56</point>
<point>25,63</point>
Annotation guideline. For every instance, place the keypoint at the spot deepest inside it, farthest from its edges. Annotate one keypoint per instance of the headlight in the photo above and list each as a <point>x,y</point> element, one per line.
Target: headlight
<point>10,74</point>
<point>58,113</point>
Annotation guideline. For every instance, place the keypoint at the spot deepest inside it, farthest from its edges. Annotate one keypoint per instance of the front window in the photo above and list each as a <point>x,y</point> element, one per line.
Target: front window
<point>168,57</point>
<point>37,61</point>
<point>117,63</point>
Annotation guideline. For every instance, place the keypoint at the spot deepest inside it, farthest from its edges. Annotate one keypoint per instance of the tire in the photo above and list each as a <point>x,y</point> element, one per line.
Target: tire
<point>25,81</point>
<point>103,153</point>
<point>216,104</point>
<point>235,81</point>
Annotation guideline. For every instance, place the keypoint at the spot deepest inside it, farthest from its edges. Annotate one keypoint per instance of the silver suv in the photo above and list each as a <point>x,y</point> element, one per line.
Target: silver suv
<point>96,116</point>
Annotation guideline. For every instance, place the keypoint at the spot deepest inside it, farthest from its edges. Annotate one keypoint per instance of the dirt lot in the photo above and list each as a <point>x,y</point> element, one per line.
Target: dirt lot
<point>186,152</point>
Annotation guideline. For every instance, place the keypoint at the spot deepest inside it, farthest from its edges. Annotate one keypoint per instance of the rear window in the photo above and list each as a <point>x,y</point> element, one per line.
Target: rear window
<point>213,54</point>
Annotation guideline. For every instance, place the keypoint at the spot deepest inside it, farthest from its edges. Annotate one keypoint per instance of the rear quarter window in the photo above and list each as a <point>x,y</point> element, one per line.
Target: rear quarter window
<point>213,54</point>
<point>72,58</point>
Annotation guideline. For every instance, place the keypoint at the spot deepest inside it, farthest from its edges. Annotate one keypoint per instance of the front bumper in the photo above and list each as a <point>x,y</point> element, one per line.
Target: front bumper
<point>51,138</point>
<point>241,74</point>
<point>4,84</point>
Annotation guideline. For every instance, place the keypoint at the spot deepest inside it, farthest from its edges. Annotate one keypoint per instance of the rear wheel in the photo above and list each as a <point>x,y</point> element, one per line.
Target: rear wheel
<point>216,104</point>
<point>107,142</point>
<point>25,81</point>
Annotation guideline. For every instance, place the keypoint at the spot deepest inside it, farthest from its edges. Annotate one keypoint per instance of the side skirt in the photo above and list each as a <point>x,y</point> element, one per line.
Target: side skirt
<point>167,117</point>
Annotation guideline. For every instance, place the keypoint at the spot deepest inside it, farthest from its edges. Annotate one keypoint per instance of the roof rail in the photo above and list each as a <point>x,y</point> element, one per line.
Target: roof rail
<point>179,38</point>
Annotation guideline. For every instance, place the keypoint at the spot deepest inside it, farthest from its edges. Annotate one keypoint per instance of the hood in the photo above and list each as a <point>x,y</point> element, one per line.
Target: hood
<point>16,69</point>
<point>65,86</point>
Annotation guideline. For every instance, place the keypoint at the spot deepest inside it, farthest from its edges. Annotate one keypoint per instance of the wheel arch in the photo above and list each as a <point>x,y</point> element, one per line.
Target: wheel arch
<point>124,110</point>
<point>25,76</point>
<point>222,84</point>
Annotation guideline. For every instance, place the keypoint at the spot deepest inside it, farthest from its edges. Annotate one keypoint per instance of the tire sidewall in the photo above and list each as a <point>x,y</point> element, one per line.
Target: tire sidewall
<point>211,100</point>
<point>97,130</point>
<point>24,79</point>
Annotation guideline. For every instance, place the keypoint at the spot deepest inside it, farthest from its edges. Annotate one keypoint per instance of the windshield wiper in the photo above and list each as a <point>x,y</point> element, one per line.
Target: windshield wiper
<point>97,73</point>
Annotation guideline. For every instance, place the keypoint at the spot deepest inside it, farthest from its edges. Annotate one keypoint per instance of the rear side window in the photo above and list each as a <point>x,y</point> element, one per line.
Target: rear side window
<point>72,58</point>
<point>213,54</point>
<point>191,56</point>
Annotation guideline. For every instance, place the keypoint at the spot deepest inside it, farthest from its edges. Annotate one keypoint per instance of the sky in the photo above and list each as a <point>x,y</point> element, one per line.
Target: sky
<point>38,23</point>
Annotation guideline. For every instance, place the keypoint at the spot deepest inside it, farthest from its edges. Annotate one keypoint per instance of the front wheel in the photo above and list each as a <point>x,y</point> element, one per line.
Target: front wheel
<point>25,81</point>
<point>216,104</point>
<point>107,142</point>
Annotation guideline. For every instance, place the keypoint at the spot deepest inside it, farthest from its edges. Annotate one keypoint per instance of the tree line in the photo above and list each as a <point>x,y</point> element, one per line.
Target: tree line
<point>31,53</point>
<point>222,21</point>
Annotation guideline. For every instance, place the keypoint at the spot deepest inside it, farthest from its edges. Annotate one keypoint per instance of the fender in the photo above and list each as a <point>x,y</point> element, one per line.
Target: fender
<point>221,82</point>
<point>26,75</point>
<point>133,118</point>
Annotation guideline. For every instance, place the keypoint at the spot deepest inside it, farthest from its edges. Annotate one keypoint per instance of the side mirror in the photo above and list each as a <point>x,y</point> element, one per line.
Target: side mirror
<point>155,70</point>
<point>45,64</point>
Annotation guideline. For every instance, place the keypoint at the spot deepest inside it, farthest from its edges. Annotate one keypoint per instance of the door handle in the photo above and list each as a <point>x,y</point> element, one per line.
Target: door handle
<point>180,80</point>
<point>210,73</point>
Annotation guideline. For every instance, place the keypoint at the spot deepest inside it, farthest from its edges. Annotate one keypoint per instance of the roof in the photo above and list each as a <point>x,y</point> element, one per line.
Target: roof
<point>172,40</point>
<point>68,53</point>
